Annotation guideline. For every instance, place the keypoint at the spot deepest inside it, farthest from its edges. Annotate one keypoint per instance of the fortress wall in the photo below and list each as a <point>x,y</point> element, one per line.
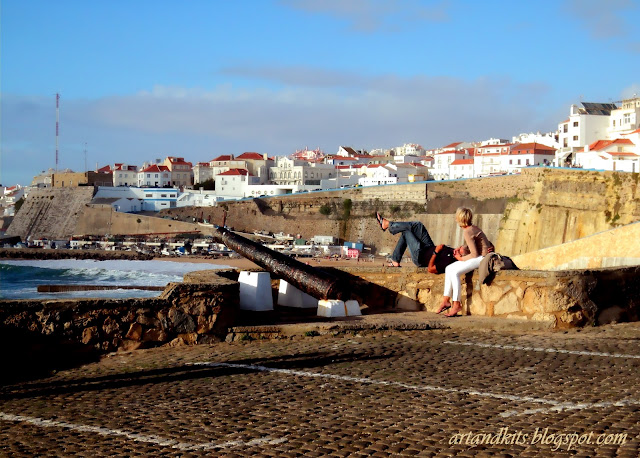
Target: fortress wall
<point>102,219</point>
<point>52,213</point>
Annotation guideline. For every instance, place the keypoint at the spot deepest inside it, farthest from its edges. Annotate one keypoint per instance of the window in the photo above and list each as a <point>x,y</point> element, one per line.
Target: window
<point>148,175</point>
<point>156,175</point>
<point>566,128</point>
<point>147,195</point>
<point>565,143</point>
<point>575,124</point>
<point>518,161</point>
<point>575,138</point>
<point>163,195</point>
<point>627,118</point>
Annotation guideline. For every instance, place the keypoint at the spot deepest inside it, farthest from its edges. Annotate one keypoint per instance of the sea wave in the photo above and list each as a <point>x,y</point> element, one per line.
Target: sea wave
<point>19,279</point>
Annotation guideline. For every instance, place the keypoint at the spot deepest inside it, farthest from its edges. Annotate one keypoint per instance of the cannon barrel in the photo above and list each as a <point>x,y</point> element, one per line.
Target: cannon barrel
<point>313,281</point>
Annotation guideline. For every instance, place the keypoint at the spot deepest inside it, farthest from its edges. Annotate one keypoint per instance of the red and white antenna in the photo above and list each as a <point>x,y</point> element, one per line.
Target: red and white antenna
<point>57,123</point>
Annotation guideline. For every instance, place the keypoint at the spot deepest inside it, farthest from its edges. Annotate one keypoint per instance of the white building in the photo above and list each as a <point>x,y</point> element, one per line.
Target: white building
<point>442,162</point>
<point>625,119</point>
<point>306,175</point>
<point>584,126</point>
<point>125,175</point>
<point>233,183</point>
<point>131,199</point>
<point>155,175</point>
<point>488,159</point>
<point>548,139</point>
<point>616,155</point>
<point>527,154</point>
<point>409,149</point>
<point>461,168</point>
<point>204,171</point>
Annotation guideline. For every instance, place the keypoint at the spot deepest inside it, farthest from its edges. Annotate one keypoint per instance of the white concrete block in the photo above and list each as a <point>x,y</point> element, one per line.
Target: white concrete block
<point>255,291</point>
<point>353,308</point>
<point>290,296</point>
<point>335,308</point>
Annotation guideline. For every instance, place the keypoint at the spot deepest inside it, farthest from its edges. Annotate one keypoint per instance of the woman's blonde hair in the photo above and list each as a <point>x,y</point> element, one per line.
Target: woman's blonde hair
<point>464,216</point>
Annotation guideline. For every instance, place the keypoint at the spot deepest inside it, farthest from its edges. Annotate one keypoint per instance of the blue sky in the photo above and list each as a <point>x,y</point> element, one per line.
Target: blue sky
<point>146,79</point>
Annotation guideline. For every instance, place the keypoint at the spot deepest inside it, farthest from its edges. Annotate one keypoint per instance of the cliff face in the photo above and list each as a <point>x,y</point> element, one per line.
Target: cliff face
<point>520,213</point>
<point>563,206</point>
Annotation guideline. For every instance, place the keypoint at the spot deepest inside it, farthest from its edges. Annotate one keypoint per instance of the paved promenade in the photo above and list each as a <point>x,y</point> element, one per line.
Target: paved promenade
<point>469,390</point>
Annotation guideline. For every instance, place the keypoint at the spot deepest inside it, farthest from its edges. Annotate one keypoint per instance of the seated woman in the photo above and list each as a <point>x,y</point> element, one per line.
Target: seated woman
<point>479,246</point>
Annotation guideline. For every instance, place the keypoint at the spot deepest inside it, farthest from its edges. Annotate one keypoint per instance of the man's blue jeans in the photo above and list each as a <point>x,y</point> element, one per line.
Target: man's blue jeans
<point>413,236</point>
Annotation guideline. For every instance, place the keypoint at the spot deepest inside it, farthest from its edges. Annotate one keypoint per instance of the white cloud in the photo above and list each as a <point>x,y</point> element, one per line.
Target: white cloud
<point>382,111</point>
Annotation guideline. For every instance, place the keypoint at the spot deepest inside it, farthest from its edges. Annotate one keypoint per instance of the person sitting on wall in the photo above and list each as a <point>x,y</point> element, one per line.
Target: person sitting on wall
<point>479,247</point>
<point>416,238</point>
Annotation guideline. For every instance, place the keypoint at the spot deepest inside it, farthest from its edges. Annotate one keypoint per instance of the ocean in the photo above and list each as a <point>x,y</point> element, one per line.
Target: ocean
<point>19,279</point>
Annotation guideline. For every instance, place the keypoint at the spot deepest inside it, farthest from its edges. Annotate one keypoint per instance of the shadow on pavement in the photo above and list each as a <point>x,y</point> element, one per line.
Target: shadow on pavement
<point>175,374</point>
<point>30,355</point>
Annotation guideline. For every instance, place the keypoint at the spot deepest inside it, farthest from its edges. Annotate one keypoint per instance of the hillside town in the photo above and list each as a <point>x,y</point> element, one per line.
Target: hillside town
<point>596,136</point>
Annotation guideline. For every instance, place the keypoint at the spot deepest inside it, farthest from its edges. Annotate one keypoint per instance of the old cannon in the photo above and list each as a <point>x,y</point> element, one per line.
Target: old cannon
<point>313,281</point>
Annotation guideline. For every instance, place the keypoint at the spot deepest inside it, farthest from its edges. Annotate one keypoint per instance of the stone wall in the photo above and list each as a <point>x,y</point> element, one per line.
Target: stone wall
<point>205,305</point>
<point>102,219</point>
<point>185,312</point>
<point>561,299</point>
<point>51,213</point>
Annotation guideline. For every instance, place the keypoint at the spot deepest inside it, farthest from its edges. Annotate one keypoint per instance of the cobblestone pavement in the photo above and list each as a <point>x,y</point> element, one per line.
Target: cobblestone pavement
<point>426,393</point>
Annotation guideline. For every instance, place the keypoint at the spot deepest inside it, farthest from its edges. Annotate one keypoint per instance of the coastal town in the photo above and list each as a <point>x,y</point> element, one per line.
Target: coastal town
<point>596,136</point>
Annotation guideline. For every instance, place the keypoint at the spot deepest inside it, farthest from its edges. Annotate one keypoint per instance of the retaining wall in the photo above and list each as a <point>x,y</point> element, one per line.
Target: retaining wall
<point>205,305</point>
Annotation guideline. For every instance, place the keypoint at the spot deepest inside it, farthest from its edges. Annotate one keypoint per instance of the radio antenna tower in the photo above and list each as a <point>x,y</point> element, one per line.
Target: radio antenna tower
<point>57,123</point>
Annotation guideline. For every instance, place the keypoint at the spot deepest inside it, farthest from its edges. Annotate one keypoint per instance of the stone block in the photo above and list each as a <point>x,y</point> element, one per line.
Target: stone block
<point>491,293</point>
<point>155,335</point>
<point>180,321</point>
<point>476,306</point>
<point>547,317</point>
<point>533,300</point>
<point>206,323</point>
<point>110,326</point>
<point>135,332</point>
<point>571,318</point>
<point>148,321</point>
<point>507,304</point>
<point>89,335</point>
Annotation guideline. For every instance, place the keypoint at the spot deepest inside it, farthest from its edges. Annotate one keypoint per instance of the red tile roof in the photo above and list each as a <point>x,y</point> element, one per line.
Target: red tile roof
<point>155,168</point>
<point>251,155</point>
<point>462,162</point>
<point>236,172</point>
<point>602,144</point>
<point>222,158</point>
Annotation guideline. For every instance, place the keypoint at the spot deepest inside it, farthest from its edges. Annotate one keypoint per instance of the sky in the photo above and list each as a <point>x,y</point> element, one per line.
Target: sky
<point>146,79</point>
